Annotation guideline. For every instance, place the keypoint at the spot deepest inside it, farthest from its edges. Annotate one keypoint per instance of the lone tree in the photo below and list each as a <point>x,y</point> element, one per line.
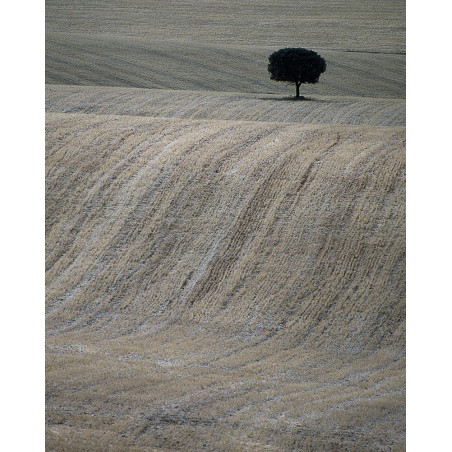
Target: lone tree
<point>296,65</point>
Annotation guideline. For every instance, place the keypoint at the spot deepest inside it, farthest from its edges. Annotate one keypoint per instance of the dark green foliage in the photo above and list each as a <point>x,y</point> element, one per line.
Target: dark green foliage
<point>296,65</point>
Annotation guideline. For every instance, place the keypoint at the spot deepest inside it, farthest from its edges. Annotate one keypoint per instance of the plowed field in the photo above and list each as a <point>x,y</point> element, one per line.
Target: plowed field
<point>225,268</point>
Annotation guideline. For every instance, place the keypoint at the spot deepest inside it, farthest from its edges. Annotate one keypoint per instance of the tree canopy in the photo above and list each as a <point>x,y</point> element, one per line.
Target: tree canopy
<point>296,65</point>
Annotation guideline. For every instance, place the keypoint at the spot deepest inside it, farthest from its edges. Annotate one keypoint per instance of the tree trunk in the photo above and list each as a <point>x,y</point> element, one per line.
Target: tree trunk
<point>297,84</point>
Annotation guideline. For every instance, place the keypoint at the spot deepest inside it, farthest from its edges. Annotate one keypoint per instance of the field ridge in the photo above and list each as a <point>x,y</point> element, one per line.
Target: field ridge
<point>224,106</point>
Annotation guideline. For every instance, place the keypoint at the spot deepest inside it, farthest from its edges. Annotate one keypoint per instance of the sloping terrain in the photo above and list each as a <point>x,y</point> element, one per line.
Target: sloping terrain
<point>115,60</point>
<point>225,268</point>
<point>260,264</point>
<point>173,212</point>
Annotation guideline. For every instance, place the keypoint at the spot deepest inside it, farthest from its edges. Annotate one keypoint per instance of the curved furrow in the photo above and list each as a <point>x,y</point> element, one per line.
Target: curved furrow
<point>230,218</point>
<point>224,275</point>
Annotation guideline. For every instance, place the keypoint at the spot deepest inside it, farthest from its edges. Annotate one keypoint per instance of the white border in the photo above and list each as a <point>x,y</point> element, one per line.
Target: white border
<point>428,226</point>
<point>22,226</point>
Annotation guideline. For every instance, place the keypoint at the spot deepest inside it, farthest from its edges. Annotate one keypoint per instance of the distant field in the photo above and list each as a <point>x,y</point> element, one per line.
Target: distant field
<point>224,46</point>
<point>325,24</point>
<point>225,267</point>
<point>114,60</point>
<point>230,106</point>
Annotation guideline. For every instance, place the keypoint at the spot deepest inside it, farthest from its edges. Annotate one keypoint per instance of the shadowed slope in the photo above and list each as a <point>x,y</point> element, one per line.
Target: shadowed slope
<point>224,46</point>
<point>117,60</point>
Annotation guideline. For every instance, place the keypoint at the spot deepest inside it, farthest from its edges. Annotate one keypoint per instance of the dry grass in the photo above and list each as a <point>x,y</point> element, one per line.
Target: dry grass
<point>225,270</point>
<point>230,106</point>
<point>234,284</point>
<point>154,395</point>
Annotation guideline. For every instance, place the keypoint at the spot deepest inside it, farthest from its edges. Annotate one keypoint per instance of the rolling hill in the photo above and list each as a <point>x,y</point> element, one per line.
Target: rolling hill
<point>225,268</point>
